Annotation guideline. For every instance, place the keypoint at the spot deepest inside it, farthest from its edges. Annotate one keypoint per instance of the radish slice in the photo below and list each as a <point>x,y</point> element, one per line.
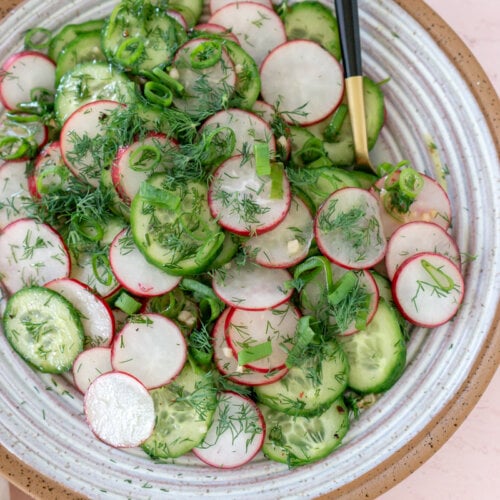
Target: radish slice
<point>272,327</point>
<point>97,319</point>
<point>348,229</point>
<point>288,243</point>
<point>248,129</point>
<point>179,18</point>
<point>22,74</point>
<point>416,237</point>
<point>119,410</point>
<point>34,131</point>
<point>227,364</point>
<point>215,5</point>
<point>236,434</point>
<point>15,191</point>
<point>431,205</point>
<point>151,348</point>
<point>50,172</point>
<point>250,286</point>
<point>33,253</point>
<point>304,79</point>
<point>86,123</point>
<point>242,201</point>
<point>89,364</point>
<point>129,168</point>
<point>428,289</point>
<point>216,29</point>
<point>258,28</point>
<point>134,272</point>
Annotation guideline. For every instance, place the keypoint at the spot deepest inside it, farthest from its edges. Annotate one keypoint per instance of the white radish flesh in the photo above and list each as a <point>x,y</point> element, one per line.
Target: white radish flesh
<point>15,191</point>
<point>416,237</point>
<point>215,5</point>
<point>348,229</point>
<point>242,201</point>
<point>288,243</point>
<point>88,122</point>
<point>134,272</point>
<point>428,289</point>
<point>304,79</point>
<point>97,319</point>
<point>275,327</point>
<point>24,72</point>
<point>216,29</point>
<point>227,364</point>
<point>119,410</point>
<point>250,286</point>
<point>151,348</point>
<point>236,441</point>
<point>89,365</point>
<point>31,253</point>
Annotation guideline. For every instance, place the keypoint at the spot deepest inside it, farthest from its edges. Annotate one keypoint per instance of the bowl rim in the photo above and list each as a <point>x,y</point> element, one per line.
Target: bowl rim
<point>419,449</point>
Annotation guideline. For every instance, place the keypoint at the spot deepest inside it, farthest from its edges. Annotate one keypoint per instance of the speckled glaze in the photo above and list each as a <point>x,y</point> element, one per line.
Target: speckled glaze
<point>437,94</point>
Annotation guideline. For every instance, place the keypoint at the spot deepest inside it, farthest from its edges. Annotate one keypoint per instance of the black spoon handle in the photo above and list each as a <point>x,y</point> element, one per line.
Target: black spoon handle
<point>348,21</point>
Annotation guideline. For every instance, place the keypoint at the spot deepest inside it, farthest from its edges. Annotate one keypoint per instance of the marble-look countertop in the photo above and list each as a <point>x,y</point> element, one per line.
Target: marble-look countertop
<point>467,466</point>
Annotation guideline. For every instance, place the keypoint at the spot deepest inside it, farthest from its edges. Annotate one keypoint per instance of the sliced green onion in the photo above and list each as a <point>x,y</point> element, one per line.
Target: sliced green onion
<point>410,182</point>
<point>219,144</point>
<point>51,179</point>
<point>21,117</point>
<point>102,269</point>
<point>442,280</point>
<point>333,128</point>
<point>158,196</point>
<point>206,55</point>
<point>127,303</point>
<point>89,228</point>
<point>157,93</point>
<point>309,268</point>
<point>343,287</point>
<point>254,353</point>
<point>168,80</point>
<point>311,150</point>
<point>129,51</point>
<point>13,148</point>
<point>145,158</point>
<point>262,158</point>
<point>320,163</point>
<point>304,336</point>
<point>169,304</point>
<point>37,38</point>
<point>277,174</point>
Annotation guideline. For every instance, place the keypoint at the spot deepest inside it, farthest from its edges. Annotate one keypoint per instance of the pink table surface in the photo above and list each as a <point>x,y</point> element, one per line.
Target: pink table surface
<point>468,465</point>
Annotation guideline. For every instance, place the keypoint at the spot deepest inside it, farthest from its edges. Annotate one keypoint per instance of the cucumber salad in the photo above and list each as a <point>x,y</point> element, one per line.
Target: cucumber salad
<point>183,232</point>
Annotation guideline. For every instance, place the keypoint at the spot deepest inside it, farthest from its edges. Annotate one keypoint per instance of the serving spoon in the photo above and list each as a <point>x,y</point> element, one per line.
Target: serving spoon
<point>350,43</point>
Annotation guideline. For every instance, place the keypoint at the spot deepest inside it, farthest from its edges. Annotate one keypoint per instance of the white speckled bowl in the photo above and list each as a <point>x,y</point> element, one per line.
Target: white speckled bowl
<point>436,94</point>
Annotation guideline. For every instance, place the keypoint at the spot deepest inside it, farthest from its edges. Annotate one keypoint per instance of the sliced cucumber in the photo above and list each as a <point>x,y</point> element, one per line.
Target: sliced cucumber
<point>308,389</point>
<point>377,355</point>
<point>191,10</point>
<point>90,82</point>
<point>184,410</point>
<point>84,48</point>
<point>302,440</point>
<point>314,21</point>
<point>43,328</point>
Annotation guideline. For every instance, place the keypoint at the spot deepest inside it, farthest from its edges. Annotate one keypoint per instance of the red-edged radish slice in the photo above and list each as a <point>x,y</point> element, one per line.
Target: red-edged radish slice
<point>152,348</point>
<point>305,79</point>
<point>97,319</point>
<point>288,243</point>
<point>258,28</point>
<point>428,289</point>
<point>431,205</point>
<point>227,364</point>
<point>119,410</point>
<point>14,192</point>
<point>250,286</point>
<point>23,73</point>
<point>273,328</point>
<point>88,122</point>
<point>136,162</point>
<point>216,29</point>
<point>175,14</point>
<point>50,172</point>
<point>236,441</point>
<point>348,229</point>
<point>89,365</point>
<point>215,5</point>
<point>134,272</point>
<point>248,129</point>
<point>242,201</point>
<point>416,237</point>
<point>33,253</point>
<point>197,81</point>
